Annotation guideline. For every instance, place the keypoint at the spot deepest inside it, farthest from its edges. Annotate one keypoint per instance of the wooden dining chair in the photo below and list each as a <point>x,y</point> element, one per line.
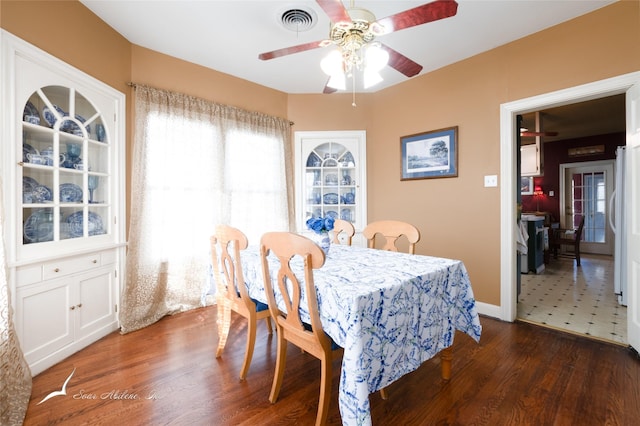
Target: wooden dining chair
<point>289,325</point>
<point>345,228</point>
<point>567,237</point>
<point>232,293</point>
<point>391,230</point>
<point>311,338</point>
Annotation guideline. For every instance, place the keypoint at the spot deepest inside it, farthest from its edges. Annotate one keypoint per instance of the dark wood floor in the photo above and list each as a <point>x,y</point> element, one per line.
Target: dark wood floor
<point>167,374</point>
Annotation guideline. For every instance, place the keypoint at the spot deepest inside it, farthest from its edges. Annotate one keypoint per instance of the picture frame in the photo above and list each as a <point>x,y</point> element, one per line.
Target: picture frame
<point>526,185</point>
<point>427,155</point>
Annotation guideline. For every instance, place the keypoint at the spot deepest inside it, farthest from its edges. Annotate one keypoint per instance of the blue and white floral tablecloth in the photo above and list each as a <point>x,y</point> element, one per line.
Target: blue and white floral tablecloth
<point>389,311</point>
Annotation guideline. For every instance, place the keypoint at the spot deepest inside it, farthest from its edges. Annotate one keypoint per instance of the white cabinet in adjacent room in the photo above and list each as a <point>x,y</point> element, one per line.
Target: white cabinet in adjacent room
<point>530,160</point>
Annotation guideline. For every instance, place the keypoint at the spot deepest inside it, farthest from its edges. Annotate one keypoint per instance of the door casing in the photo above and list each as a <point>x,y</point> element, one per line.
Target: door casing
<point>508,168</point>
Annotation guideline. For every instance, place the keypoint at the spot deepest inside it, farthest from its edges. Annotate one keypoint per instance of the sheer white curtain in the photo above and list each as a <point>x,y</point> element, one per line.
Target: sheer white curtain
<point>196,164</point>
<point>15,376</point>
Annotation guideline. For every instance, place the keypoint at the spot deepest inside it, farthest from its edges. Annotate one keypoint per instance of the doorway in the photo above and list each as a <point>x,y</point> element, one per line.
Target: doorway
<point>579,300</point>
<point>628,84</point>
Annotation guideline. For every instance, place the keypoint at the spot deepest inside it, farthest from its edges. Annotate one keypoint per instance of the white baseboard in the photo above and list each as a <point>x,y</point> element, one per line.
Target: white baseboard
<point>489,310</point>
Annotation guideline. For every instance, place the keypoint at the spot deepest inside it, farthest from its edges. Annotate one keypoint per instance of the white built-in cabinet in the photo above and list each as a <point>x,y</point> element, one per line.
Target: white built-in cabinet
<point>331,176</point>
<point>530,160</point>
<point>63,196</point>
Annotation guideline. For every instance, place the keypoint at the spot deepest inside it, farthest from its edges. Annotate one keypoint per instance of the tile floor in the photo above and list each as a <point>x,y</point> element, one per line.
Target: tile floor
<point>578,300</point>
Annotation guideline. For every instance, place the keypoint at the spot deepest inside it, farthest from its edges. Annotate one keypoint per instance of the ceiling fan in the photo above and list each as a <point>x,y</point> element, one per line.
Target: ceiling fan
<point>354,28</point>
<point>526,133</point>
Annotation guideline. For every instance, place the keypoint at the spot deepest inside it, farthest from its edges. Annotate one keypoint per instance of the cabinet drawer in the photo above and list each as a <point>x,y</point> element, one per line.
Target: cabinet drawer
<point>108,257</point>
<point>28,274</point>
<point>58,268</point>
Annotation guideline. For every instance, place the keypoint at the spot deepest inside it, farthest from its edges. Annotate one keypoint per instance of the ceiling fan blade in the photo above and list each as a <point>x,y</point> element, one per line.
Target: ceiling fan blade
<point>289,50</point>
<point>335,10</point>
<point>429,12</point>
<point>534,134</point>
<point>327,90</point>
<point>401,63</point>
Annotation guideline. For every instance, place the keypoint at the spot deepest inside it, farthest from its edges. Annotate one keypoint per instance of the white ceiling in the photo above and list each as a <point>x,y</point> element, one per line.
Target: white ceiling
<point>227,36</point>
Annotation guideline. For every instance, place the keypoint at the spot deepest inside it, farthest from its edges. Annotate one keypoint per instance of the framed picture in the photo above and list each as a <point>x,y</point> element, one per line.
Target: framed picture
<point>430,155</point>
<point>526,185</point>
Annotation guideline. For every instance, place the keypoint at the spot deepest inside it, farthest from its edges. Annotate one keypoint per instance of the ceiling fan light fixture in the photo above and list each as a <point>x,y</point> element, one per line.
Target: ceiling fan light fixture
<point>376,58</point>
<point>338,82</point>
<point>332,63</point>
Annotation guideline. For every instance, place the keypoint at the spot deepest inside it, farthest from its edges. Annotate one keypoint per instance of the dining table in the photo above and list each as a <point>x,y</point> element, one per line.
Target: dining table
<point>390,311</point>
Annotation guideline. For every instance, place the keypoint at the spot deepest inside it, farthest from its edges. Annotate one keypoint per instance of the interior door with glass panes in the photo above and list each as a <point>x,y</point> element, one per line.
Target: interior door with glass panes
<point>587,188</point>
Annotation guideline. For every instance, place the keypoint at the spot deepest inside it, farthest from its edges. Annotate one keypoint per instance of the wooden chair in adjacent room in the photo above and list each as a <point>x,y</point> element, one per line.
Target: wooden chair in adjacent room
<point>232,293</point>
<point>346,229</point>
<point>567,237</point>
<point>391,230</point>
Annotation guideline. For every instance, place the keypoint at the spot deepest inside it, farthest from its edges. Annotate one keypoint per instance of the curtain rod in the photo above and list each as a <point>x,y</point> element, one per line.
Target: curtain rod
<point>134,85</point>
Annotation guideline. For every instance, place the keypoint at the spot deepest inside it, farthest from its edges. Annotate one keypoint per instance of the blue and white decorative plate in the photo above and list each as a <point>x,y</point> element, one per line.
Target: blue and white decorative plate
<point>331,198</point>
<point>70,193</point>
<point>349,198</point>
<point>41,194</point>
<point>345,215</point>
<point>332,214</point>
<point>28,149</point>
<point>50,117</point>
<point>76,223</point>
<point>39,226</point>
<point>71,127</point>
<point>30,113</point>
<point>28,183</point>
<point>82,120</point>
<point>313,160</point>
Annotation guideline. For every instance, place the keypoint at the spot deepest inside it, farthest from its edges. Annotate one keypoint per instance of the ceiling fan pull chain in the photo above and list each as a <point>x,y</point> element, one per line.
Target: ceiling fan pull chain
<point>353,88</point>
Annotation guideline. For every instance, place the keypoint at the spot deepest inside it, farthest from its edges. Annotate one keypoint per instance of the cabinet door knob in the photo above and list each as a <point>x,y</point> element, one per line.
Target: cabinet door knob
<point>56,270</point>
<point>72,308</point>
<point>94,261</point>
<point>79,305</point>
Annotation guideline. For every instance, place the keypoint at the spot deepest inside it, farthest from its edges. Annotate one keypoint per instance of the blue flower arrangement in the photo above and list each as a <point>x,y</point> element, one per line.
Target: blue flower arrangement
<point>320,224</point>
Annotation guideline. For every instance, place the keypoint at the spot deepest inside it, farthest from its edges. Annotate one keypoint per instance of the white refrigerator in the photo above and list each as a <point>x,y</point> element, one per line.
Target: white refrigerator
<point>617,221</point>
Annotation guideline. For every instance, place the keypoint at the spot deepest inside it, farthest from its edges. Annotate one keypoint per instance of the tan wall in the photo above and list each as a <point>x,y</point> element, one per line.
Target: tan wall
<point>72,33</point>
<point>458,217</point>
<point>165,72</point>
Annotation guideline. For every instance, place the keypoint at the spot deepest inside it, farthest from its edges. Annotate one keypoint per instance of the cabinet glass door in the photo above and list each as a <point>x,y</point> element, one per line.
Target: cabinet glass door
<point>64,167</point>
<point>330,182</point>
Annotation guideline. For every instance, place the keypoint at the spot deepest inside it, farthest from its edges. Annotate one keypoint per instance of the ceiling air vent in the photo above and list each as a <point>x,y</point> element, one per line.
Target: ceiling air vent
<point>298,19</point>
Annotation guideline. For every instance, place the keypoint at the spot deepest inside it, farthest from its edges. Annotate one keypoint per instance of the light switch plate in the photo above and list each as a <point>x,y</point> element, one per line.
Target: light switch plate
<point>491,180</point>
